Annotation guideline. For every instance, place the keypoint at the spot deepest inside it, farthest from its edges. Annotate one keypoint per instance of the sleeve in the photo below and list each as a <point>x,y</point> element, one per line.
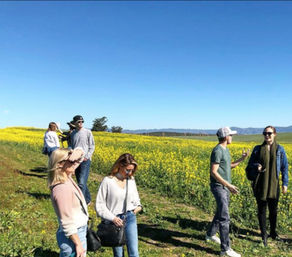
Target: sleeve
<point>63,197</point>
<point>101,200</point>
<point>216,156</point>
<point>136,197</point>
<point>251,168</point>
<point>91,145</point>
<point>56,140</point>
<point>284,168</point>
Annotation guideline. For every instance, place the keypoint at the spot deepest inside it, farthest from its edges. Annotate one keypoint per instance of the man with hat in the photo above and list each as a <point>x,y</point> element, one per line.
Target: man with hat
<point>220,178</point>
<point>82,137</point>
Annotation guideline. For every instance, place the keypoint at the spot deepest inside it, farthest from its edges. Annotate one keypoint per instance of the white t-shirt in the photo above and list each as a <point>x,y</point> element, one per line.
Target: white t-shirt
<point>110,198</point>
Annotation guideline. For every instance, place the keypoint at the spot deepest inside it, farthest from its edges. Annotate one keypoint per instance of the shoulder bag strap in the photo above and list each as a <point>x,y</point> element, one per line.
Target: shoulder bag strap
<point>125,202</point>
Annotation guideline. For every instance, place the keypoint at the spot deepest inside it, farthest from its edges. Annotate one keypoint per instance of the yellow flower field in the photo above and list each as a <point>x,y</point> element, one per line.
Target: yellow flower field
<point>172,166</point>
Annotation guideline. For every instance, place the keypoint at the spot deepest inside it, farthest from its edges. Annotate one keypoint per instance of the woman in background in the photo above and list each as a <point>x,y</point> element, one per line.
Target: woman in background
<point>110,201</point>
<point>51,140</point>
<point>266,162</point>
<point>68,202</point>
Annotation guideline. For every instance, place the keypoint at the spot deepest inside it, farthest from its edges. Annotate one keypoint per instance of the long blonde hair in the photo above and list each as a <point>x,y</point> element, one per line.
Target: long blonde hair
<point>55,167</point>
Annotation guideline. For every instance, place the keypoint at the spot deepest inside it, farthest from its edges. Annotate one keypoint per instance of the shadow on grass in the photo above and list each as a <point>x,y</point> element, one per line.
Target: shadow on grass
<point>35,195</point>
<point>241,233</point>
<point>31,174</point>
<point>163,236</point>
<point>40,252</point>
<point>40,169</point>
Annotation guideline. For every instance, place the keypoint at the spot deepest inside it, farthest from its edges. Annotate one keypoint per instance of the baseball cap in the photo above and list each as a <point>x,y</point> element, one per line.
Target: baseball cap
<point>77,118</point>
<point>224,132</point>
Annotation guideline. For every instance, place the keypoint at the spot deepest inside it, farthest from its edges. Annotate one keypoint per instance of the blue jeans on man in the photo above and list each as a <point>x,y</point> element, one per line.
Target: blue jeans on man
<point>82,173</point>
<point>221,219</point>
<point>131,235</point>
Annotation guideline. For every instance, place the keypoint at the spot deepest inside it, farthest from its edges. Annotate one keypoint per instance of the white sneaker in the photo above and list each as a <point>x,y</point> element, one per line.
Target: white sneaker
<point>214,238</point>
<point>231,253</point>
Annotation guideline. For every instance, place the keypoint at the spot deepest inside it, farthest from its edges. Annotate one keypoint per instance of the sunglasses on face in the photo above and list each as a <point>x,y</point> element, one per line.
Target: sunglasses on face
<point>267,133</point>
<point>128,171</point>
<point>81,121</point>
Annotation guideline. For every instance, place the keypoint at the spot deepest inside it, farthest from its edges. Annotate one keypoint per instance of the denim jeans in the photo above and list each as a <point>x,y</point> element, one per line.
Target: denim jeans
<point>66,245</point>
<point>131,235</point>
<point>221,219</point>
<point>82,173</point>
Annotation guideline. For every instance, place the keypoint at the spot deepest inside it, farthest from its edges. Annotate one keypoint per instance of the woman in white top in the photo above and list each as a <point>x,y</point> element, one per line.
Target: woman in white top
<point>110,201</point>
<point>68,202</point>
<point>51,140</point>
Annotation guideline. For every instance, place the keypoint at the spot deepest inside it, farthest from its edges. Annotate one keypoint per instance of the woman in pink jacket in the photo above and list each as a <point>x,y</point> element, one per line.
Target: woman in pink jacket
<point>68,202</point>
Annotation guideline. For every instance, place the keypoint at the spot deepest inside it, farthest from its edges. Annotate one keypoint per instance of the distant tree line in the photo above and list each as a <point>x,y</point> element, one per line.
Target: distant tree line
<point>99,124</point>
<point>173,134</point>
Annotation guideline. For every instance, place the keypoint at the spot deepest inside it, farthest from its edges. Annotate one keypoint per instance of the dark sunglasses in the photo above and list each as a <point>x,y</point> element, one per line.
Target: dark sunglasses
<point>128,171</point>
<point>267,133</point>
<point>80,121</point>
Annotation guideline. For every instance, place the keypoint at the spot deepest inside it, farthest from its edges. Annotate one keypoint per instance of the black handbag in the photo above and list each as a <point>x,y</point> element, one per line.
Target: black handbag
<point>110,234</point>
<point>93,241</point>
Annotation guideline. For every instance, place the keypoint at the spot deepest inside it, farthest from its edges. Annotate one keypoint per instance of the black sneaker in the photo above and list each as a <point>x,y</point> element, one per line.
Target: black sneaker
<point>276,237</point>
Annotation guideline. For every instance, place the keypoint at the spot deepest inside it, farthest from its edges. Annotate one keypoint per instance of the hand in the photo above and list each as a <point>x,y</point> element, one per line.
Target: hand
<point>284,189</point>
<point>118,222</point>
<point>260,168</point>
<point>80,252</point>
<point>233,189</point>
<point>85,159</point>
<point>245,154</point>
<point>138,209</point>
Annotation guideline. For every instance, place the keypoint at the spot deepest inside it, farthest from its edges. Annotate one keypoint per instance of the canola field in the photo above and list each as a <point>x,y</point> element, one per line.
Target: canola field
<point>175,167</point>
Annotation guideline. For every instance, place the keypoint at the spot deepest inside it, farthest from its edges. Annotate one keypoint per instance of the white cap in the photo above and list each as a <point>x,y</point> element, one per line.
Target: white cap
<point>224,132</point>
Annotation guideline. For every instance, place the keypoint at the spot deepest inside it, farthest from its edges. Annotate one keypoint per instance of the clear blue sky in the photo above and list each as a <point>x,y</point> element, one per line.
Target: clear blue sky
<point>146,64</point>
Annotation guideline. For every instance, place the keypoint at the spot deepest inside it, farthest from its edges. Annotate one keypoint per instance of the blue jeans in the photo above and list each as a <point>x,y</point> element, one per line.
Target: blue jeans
<point>66,245</point>
<point>221,219</point>
<point>131,235</point>
<point>82,173</point>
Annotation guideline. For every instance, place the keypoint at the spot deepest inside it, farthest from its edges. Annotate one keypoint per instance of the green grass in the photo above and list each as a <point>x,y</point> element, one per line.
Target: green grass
<point>281,138</point>
<point>168,227</point>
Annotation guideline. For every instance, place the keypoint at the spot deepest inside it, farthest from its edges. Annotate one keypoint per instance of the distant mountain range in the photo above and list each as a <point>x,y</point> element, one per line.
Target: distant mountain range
<point>242,131</point>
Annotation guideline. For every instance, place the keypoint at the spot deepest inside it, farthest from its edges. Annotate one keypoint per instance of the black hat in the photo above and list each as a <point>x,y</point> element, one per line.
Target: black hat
<point>71,124</point>
<point>77,118</point>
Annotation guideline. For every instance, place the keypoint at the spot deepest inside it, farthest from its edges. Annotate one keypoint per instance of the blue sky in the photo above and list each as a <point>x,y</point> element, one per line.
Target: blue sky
<point>146,64</point>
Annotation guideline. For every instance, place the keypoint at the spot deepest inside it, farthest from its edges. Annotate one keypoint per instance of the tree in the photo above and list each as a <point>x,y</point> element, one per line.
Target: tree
<point>99,124</point>
<point>117,129</point>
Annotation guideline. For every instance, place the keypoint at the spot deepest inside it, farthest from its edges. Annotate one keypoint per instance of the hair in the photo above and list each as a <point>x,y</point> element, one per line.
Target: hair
<point>222,139</point>
<point>52,126</point>
<point>271,127</point>
<point>123,161</point>
<point>55,168</point>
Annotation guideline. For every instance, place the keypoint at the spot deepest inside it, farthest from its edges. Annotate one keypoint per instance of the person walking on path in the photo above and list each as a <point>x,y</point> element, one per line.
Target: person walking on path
<point>82,137</point>
<point>220,183</point>
<point>265,164</point>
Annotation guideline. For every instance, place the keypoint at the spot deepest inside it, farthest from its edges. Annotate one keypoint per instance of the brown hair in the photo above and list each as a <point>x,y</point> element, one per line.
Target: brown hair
<point>271,127</point>
<point>123,161</point>
<point>52,126</point>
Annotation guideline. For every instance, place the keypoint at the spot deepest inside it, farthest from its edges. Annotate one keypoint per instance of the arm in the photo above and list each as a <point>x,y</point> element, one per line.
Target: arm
<point>80,251</point>
<point>136,199</point>
<point>244,155</point>
<point>284,171</point>
<point>214,173</point>
<point>91,145</point>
